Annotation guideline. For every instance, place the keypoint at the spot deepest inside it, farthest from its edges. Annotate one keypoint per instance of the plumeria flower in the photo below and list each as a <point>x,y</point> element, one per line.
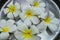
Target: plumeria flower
<point>40,12</point>
<point>39,7</point>
<point>36,3</point>
<point>25,32</point>
<point>51,21</point>
<point>7,27</point>
<point>12,10</point>
<point>29,14</point>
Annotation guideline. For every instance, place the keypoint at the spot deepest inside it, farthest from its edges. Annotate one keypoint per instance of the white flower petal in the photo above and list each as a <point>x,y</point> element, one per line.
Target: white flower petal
<point>42,26</point>
<point>27,22</point>
<point>2,23</point>
<point>42,4</point>
<point>39,11</point>
<point>53,27</point>
<point>10,22</point>
<point>10,15</point>
<point>55,21</point>
<point>4,36</point>
<point>19,35</point>
<point>35,20</point>
<point>16,13</point>
<point>6,10</point>
<point>11,3</point>
<point>1,29</point>
<point>51,15</point>
<point>19,23</point>
<point>34,29</point>
<point>24,6</point>
<point>17,5</point>
<point>42,9</point>
<point>35,38</point>
<point>43,14</point>
<point>21,26</point>
<point>29,1</point>
<point>32,2</point>
<point>22,16</point>
<point>13,28</point>
<point>36,11</point>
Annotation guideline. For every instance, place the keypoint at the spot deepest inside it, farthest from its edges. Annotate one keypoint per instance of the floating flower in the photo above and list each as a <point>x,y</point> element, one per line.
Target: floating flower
<point>36,3</point>
<point>12,10</point>
<point>7,27</point>
<point>39,11</point>
<point>25,32</point>
<point>29,14</point>
<point>49,21</point>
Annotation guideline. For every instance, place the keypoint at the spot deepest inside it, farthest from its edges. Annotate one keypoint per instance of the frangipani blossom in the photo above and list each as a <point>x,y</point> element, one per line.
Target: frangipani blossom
<point>51,21</point>
<point>7,27</point>
<point>36,3</point>
<point>25,32</point>
<point>12,10</point>
<point>39,7</point>
<point>29,14</point>
<point>40,12</point>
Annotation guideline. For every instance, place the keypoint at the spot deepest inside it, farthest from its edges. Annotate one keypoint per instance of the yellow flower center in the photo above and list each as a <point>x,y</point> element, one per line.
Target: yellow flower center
<point>47,20</point>
<point>27,34</point>
<point>29,13</point>
<point>6,29</point>
<point>36,4</point>
<point>12,9</point>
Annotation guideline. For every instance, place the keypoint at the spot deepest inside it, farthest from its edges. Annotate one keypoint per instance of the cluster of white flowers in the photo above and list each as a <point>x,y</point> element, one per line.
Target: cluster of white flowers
<point>26,21</point>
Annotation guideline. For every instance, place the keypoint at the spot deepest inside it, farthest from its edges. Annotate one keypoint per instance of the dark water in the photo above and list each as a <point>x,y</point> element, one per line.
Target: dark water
<point>2,3</point>
<point>57,2</point>
<point>57,37</point>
